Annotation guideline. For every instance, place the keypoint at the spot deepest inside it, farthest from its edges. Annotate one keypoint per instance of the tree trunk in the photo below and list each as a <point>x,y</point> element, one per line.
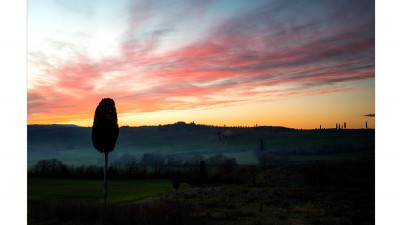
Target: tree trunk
<point>105,180</point>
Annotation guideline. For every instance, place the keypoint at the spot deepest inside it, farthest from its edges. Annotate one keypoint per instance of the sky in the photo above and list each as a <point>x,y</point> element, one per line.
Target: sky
<point>298,64</point>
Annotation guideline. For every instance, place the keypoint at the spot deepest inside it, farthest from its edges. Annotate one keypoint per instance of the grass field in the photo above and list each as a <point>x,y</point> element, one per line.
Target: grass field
<point>319,177</point>
<point>329,192</point>
<point>90,191</point>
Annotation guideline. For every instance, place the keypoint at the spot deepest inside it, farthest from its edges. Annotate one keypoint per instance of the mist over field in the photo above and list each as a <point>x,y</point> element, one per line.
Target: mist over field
<point>250,175</point>
<point>184,142</point>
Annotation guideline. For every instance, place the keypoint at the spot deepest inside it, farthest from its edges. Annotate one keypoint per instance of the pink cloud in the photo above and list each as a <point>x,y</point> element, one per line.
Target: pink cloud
<point>229,65</point>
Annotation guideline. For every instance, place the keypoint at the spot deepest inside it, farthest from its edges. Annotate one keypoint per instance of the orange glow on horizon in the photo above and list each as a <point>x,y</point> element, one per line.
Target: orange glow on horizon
<point>236,68</point>
<point>305,112</point>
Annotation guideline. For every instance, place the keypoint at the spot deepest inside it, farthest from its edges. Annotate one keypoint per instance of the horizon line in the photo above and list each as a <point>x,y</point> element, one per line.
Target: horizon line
<point>254,126</point>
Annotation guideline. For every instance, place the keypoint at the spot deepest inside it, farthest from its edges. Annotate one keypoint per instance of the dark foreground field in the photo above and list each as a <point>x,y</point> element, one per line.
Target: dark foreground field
<point>306,193</point>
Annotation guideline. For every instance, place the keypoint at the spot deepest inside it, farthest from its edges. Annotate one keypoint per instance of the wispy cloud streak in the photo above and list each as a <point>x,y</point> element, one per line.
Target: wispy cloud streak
<point>181,60</point>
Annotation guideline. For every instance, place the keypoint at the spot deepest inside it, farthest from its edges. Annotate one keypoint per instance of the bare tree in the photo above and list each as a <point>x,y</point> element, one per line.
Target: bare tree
<point>175,183</point>
<point>105,133</point>
<point>202,174</point>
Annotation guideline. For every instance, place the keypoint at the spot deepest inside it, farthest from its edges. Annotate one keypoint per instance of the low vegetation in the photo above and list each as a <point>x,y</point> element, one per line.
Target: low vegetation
<point>320,192</point>
<point>197,174</point>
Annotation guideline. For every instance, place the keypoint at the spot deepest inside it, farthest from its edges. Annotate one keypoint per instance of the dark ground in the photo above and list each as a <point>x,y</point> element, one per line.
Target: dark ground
<point>341,192</point>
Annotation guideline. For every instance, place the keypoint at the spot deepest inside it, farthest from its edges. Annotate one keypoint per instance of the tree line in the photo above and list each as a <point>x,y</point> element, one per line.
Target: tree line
<point>150,165</point>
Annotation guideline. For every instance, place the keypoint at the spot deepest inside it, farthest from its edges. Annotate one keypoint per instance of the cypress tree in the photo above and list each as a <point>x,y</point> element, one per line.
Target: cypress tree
<point>105,133</point>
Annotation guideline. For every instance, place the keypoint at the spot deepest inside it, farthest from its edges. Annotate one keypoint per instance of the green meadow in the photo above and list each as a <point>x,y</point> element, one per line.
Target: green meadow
<point>321,176</point>
<point>292,193</point>
<point>81,191</point>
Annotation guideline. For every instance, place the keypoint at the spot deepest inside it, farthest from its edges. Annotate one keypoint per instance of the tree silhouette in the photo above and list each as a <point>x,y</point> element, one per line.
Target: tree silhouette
<point>51,168</point>
<point>175,183</point>
<point>202,173</point>
<point>261,145</point>
<point>344,125</point>
<point>366,125</point>
<point>105,133</point>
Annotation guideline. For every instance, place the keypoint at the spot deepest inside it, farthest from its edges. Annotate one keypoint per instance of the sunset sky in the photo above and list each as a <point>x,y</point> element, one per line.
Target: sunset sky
<point>298,64</point>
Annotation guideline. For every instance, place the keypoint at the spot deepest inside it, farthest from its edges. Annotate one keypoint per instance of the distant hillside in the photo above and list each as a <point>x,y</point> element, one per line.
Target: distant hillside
<point>73,145</point>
